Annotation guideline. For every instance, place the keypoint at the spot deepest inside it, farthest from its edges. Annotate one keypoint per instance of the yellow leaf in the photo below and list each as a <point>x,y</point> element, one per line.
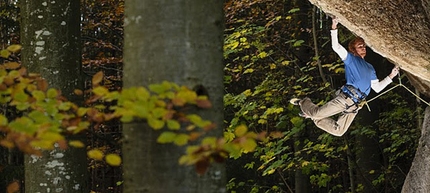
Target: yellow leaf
<point>44,144</point>
<point>240,130</point>
<point>305,163</point>
<point>95,154</point>
<point>14,48</point>
<point>4,53</point>
<point>272,66</point>
<point>262,55</point>
<point>100,91</point>
<point>76,143</point>
<point>285,62</point>
<point>250,70</point>
<point>249,145</point>
<point>113,159</point>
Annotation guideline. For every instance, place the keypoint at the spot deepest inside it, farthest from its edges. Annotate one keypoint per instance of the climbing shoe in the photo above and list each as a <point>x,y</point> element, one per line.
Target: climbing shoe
<point>295,101</point>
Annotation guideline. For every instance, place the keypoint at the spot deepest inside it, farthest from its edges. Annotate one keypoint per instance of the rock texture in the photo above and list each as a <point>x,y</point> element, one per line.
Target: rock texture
<point>398,30</point>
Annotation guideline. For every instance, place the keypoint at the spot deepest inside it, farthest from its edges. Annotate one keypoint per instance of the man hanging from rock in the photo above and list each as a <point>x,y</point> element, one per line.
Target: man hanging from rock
<point>360,78</point>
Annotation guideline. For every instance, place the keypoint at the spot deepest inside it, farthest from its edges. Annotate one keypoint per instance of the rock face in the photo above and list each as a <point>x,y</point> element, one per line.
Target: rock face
<point>398,30</point>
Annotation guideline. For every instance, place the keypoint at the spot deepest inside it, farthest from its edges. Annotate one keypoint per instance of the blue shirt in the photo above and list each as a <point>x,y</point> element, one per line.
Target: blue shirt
<point>359,73</point>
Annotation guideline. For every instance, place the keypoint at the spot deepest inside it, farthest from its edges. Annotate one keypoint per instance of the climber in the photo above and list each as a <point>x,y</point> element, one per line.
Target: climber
<point>360,77</point>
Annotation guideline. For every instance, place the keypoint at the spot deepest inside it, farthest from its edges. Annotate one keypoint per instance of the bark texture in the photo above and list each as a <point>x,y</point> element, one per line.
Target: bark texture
<point>178,41</point>
<point>50,37</point>
<point>396,29</point>
<point>418,178</point>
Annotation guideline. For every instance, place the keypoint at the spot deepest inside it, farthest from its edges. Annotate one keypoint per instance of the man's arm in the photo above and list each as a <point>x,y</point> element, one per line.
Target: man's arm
<point>377,85</point>
<point>339,49</point>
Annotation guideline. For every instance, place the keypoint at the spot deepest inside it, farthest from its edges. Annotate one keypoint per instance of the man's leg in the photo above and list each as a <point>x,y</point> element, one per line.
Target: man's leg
<point>333,107</point>
<point>336,128</point>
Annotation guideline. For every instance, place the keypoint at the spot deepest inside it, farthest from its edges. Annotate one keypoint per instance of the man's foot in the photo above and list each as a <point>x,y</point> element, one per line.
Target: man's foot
<point>295,101</point>
<point>304,115</point>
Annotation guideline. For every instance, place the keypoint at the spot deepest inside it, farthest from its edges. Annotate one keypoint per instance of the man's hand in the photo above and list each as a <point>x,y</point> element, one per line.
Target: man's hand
<point>394,72</point>
<point>335,21</point>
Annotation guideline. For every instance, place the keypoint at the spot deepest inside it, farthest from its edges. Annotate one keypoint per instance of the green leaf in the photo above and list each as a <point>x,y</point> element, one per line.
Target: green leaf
<point>155,123</point>
<point>198,121</point>
<point>142,93</point>
<point>38,95</point>
<point>52,93</point>
<point>181,139</point>
<point>173,124</point>
<point>166,137</point>
<point>23,124</point>
<point>39,117</point>
<point>65,106</point>
<point>158,112</point>
<point>160,88</point>
<point>20,96</point>
<point>209,141</point>
<point>298,43</point>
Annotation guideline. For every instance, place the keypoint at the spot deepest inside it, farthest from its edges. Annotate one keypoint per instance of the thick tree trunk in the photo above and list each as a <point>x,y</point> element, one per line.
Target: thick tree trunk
<point>178,41</point>
<point>50,37</point>
<point>396,29</point>
<point>418,178</point>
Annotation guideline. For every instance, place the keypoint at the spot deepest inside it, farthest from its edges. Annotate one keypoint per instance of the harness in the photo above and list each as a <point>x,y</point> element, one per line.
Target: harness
<point>358,97</point>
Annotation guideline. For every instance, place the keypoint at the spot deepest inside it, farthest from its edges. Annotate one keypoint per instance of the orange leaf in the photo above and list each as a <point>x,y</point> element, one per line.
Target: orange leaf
<point>205,104</point>
<point>62,144</point>
<point>11,65</point>
<point>78,92</point>
<point>7,144</point>
<point>97,78</point>
<point>42,84</point>
<point>13,187</point>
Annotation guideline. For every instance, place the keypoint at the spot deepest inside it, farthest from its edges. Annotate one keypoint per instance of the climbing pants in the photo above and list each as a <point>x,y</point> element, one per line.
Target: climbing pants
<point>321,115</point>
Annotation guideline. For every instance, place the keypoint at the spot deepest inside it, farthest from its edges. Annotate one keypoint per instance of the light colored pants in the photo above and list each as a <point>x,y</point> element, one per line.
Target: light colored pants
<point>321,115</point>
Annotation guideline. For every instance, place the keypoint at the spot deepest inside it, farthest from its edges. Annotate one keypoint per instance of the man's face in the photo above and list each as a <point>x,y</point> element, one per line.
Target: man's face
<point>360,48</point>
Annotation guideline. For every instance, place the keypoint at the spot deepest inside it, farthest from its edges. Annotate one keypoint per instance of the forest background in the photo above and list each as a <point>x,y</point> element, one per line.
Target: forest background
<point>274,50</point>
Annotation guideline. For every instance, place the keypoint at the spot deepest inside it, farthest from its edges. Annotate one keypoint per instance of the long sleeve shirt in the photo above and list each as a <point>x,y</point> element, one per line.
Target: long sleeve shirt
<point>358,72</point>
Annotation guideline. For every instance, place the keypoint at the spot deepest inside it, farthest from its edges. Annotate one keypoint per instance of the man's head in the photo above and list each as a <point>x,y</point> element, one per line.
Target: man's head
<point>357,47</point>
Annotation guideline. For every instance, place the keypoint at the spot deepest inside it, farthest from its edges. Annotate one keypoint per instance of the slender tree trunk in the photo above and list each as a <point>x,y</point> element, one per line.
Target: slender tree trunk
<point>417,180</point>
<point>178,41</point>
<point>50,35</point>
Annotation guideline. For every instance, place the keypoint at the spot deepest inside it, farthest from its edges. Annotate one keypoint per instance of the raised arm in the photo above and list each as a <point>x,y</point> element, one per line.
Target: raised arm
<point>377,85</point>
<point>339,49</point>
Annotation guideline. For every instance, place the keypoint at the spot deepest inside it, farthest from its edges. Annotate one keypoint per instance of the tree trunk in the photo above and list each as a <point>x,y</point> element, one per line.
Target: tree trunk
<point>396,29</point>
<point>178,41</point>
<point>417,180</point>
<point>50,37</point>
